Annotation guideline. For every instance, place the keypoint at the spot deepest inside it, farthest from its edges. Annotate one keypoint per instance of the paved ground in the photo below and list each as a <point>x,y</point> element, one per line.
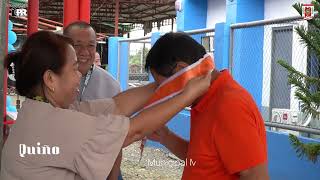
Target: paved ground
<point>155,164</point>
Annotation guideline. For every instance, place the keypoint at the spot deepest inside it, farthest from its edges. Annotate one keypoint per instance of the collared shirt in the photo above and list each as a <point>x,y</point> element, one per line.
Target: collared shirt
<point>101,85</point>
<point>227,133</point>
<point>89,137</point>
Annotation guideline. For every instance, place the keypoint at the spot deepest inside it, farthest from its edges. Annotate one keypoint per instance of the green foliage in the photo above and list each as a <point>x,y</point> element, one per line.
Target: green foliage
<point>136,58</point>
<point>311,150</point>
<point>310,100</point>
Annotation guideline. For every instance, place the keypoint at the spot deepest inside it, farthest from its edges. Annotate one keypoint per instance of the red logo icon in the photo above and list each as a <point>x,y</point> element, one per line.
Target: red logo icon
<point>308,11</point>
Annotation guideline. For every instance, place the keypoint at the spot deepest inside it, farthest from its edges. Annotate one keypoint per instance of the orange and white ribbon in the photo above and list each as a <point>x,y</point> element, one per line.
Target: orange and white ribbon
<point>176,83</point>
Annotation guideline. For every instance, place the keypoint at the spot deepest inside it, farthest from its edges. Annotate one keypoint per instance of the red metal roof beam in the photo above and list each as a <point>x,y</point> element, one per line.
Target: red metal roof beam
<point>40,23</point>
<point>51,21</point>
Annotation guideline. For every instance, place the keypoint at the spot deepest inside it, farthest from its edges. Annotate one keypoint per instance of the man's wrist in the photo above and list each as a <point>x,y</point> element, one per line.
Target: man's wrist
<point>166,137</point>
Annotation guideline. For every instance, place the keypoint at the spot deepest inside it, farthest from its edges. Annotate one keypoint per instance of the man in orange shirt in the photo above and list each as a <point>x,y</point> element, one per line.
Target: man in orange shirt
<point>227,136</point>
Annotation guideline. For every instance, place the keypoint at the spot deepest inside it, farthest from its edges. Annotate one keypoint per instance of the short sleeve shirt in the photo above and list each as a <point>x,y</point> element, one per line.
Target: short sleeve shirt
<point>227,133</point>
<point>89,137</point>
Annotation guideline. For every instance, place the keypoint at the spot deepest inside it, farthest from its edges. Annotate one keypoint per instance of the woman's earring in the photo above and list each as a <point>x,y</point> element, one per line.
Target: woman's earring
<point>52,89</point>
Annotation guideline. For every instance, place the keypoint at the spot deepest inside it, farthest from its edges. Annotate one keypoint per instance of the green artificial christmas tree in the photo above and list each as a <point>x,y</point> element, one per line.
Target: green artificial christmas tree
<point>309,97</point>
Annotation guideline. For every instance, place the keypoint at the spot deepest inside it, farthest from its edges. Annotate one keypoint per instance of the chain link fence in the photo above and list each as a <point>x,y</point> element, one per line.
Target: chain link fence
<point>256,48</point>
<point>137,59</point>
<point>205,37</point>
<point>133,69</point>
<point>207,41</point>
<point>138,49</point>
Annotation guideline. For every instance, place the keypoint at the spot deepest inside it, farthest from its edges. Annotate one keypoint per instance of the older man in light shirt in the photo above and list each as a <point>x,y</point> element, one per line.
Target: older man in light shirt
<point>96,83</point>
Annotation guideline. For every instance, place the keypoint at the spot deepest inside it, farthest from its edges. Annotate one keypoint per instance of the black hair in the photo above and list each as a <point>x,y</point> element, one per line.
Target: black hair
<point>42,51</point>
<point>171,48</point>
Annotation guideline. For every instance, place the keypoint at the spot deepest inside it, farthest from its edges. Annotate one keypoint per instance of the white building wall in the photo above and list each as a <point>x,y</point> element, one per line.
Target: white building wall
<point>216,12</point>
<point>278,9</point>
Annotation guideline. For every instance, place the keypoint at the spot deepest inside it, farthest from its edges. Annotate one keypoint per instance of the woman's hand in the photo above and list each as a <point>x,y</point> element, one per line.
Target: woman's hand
<point>196,87</point>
